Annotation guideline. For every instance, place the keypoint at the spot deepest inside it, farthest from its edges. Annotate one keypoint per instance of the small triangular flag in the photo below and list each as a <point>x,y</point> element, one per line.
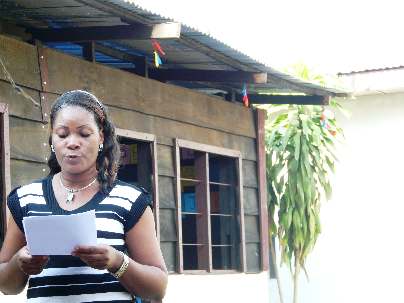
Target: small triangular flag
<point>245,96</point>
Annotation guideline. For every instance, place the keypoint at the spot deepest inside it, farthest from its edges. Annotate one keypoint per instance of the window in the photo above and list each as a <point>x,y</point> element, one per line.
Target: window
<point>210,213</point>
<point>4,167</point>
<point>138,164</point>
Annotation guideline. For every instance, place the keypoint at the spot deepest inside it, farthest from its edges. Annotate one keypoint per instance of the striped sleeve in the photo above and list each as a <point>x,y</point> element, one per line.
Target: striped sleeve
<point>138,208</point>
<point>13,203</point>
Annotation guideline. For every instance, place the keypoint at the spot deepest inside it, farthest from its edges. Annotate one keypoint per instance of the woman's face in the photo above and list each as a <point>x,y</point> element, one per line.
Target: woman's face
<point>76,138</point>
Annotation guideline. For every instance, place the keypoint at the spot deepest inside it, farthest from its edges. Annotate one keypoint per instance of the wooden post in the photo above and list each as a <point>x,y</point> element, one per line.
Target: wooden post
<point>180,262</point>
<point>89,51</point>
<point>5,163</point>
<point>243,258</point>
<point>262,188</point>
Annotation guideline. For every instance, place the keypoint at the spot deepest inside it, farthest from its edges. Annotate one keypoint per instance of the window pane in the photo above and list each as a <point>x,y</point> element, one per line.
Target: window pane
<point>189,230</point>
<point>223,199</point>
<point>223,230</point>
<point>136,163</point>
<point>190,254</point>
<point>189,203</point>
<point>222,169</point>
<point>225,257</point>
<point>188,159</point>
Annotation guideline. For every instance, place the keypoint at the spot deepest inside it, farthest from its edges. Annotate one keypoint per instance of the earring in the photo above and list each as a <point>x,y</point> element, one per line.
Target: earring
<point>100,147</point>
<point>52,148</point>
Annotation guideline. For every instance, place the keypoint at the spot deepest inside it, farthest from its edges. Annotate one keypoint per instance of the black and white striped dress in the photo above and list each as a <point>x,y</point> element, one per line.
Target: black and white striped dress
<point>67,278</point>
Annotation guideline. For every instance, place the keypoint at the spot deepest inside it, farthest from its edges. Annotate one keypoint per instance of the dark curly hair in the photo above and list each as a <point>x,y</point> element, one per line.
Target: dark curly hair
<point>108,159</point>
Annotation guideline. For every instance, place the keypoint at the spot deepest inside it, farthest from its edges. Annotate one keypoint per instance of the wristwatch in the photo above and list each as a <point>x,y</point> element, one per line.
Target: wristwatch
<point>123,268</point>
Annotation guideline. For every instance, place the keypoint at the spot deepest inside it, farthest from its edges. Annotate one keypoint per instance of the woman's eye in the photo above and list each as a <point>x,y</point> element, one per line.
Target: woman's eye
<point>62,135</point>
<point>85,135</point>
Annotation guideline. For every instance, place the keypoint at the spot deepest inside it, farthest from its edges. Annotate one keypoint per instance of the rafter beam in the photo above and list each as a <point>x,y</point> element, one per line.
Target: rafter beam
<point>207,76</point>
<point>139,61</point>
<point>288,99</point>
<point>171,30</point>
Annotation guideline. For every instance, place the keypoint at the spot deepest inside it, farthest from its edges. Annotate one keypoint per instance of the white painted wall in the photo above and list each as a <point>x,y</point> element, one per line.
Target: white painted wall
<point>359,255</point>
<point>218,288</point>
<point>13,299</point>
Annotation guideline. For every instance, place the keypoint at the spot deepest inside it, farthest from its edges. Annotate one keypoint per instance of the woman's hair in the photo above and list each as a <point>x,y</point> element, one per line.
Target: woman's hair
<point>108,159</point>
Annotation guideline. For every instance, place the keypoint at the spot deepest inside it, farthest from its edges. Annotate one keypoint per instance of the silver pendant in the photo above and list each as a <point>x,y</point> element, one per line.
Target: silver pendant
<point>70,197</point>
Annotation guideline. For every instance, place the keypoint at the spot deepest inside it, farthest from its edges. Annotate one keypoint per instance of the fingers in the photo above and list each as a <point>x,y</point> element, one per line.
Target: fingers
<point>98,256</point>
<point>90,250</point>
<point>31,265</point>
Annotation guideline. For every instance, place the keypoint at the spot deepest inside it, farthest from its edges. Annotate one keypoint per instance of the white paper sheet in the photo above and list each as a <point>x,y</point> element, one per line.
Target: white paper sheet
<point>59,234</point>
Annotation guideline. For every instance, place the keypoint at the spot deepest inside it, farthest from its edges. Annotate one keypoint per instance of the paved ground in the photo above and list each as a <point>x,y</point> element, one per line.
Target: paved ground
<point>21,298</point>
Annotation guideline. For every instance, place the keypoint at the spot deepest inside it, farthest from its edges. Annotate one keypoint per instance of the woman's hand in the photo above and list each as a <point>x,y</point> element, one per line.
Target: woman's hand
<point>99,256</point>
<point>30,265</point>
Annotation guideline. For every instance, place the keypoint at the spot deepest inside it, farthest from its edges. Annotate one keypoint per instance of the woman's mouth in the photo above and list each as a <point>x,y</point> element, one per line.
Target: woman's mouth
<point>72,158</point>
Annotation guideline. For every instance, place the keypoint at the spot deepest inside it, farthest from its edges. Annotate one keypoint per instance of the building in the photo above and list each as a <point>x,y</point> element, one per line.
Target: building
<point>185,134</point>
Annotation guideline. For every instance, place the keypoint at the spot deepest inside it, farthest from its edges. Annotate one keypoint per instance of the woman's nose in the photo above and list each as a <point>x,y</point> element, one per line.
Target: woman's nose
<point>73,143</point>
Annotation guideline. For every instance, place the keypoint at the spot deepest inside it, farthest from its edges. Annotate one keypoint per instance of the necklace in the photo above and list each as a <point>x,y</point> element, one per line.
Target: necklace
<point>72,191</point>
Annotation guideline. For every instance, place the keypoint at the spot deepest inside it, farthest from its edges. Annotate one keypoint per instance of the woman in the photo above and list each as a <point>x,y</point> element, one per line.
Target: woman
<point>127,260</point>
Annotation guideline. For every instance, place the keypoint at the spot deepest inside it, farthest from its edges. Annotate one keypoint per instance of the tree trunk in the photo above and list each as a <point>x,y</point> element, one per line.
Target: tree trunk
<point>278,280</point>
<point>296,277</point>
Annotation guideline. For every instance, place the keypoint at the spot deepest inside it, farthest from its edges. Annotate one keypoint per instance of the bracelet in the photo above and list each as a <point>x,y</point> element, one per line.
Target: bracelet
<point>123,268</point>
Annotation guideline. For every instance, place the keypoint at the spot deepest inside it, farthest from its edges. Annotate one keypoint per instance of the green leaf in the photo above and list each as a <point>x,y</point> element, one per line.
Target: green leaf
<point>296,141</point>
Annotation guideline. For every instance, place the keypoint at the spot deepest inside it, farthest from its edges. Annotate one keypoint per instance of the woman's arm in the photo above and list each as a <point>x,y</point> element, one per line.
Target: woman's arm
<point>146,275</point>
<point>12,279</point>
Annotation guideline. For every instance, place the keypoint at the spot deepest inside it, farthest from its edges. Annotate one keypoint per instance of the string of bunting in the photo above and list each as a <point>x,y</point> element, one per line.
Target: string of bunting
<point>245,96</point>
<point>157,52</point>
<point>325,116</point>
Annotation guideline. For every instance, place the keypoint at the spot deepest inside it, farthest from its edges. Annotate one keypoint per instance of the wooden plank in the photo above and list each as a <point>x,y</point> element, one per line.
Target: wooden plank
<point>166,160</point>
<point>209,148</point>
<point>23,172</point>
<point>166,192</point>
<point>168,250</point>
<point>156,194</point>
<point>251,203</point>
<point>243,262</point>
<point>288,99</point>
<point>5,165</point>
<point>253,257</point>
<point>29,140</point>
<point>167,225</point>
<point>20,59</point>
<point>250,173</point>
<point>252,231</point>
<point>18,104</point>
<point>135,135</point>
<point>47,99</point>
<point>180,260</point>
<point>206,75</point>
<point>169,129</point>
<point>126,90</point>
<point>262,188</point>
<point>169,30</point>
<point>43,66</point>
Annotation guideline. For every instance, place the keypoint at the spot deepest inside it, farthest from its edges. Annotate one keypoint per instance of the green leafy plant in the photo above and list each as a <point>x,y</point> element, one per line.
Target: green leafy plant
<point>301,158</point>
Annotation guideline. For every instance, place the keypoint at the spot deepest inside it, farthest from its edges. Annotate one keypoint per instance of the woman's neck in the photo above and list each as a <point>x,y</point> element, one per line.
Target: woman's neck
<point>78,180</point>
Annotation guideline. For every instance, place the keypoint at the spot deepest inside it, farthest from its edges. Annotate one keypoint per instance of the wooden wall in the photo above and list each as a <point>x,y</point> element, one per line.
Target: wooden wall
<point>135,103</point>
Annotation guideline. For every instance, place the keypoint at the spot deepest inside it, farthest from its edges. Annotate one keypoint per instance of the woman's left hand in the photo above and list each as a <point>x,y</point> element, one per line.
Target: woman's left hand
<point>99,256</point>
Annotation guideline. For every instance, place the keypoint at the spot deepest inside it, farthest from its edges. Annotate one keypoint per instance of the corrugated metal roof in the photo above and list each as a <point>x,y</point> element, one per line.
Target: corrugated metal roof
<point>194,49</point>
<point>371,70</point>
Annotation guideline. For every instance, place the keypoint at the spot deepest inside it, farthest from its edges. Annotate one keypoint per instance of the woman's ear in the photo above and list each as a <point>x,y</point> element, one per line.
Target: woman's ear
<point>101,136</point>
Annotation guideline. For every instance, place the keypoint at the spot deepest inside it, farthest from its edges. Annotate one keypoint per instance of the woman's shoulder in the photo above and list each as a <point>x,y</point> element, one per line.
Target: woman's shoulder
<point>33,188</point>
<point>128,191</point>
